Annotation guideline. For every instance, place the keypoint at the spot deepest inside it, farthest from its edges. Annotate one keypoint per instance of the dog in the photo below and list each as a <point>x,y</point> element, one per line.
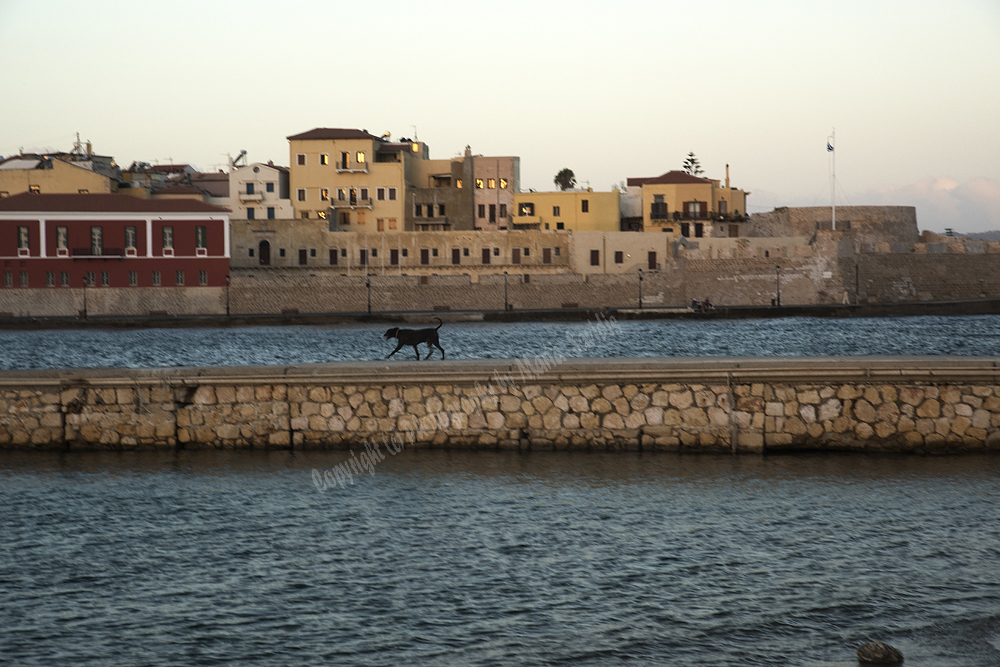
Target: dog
<point>415,337</point>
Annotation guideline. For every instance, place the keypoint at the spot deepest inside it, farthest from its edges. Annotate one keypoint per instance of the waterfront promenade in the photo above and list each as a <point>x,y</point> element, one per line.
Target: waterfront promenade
<point>743,405</point>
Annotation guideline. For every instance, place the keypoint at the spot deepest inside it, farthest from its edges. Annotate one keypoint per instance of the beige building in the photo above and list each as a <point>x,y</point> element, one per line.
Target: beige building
<point>570,210</point>
<point>689,206</point>
<point>259,191</point>
<point>50,174</point>
<point>496,181</point>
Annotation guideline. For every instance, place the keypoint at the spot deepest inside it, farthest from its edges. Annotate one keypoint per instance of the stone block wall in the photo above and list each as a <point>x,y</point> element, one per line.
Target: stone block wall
<point>939,405</point>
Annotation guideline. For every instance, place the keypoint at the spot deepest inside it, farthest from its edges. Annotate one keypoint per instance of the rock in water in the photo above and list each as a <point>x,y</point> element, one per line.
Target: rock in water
<point>877,653</point>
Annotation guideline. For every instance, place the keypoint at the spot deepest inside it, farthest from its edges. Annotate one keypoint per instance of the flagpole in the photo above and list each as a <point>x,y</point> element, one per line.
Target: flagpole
<point>833,180</point>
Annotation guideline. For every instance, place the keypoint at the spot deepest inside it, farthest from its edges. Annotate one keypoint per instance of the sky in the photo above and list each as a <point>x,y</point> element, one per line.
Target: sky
<point>609,90</point>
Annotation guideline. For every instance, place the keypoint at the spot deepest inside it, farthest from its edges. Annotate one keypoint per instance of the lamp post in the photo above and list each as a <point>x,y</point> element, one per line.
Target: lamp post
<point>84,296</point>
<point>505,291</point>
<point>368,284</point>
<point>640,289</point>
<point>777,285</point>
<point>227,296</point>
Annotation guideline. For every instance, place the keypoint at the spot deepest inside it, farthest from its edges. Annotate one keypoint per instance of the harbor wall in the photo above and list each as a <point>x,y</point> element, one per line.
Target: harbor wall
<point>918,405</point>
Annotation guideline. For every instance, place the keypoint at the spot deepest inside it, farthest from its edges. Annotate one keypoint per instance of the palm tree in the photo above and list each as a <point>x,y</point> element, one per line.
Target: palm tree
<point>565,179</point>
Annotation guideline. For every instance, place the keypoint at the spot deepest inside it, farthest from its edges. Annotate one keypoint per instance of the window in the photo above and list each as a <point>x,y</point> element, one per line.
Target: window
<point>156,278</point>
<point>133,278</point>
<point>441,210</point>
<point>105,279</point>
<point>251,213</point>
<point>343,252</point>
<point>89,279</point>
<point>305,215</point>
<point>425,256</point>
<point>24,278</point>
<point>619,257</point>
<point>363,257</point>
<point>458,184</point>
<point>493,212</point>
<point>8,279</point>
<point>555,211</point>
<point>301,159</point>
<point>341,194</point>
<point>491,184</point>
<point>406,252</point>
<point>392,194</point>
<point>201,237</point>
<point>479,184</point>
<point>515,255</point>
<point>35,189</point>
<point>380,224</point>
<point>321,215</point>
<point>685,229</point>
<point>698,230</point>
<point>345,160</point>
<point>560,225</point>
<point>168,238</point>
<point>270,213</point>
<point>269,187</point>
<point>203,277</point>
<point>585,205</point>
<point>496,252</point>
<point>4,193</point>
<point>527,252</point>
<point>324,158</point>
<point>456,256</point>
<point>525,209</point>
<point>482,210</point>
<point>434,252</point>
<point>360,157</point>
<point>392,225</point>
<point>250,252</point>
<point>595,257</point>
<point>130,237</point>
<point>64,279</point>
<point>546,255</point>
<point>62,238</point>
<point>281,252</point>
<point>22,238</point>
<point>179,278</point>
<point>693,209</point>
<point>324,194</point>
<point>465,252</point>
<point>503,210</point>
<point>364,193</point>
<point>333,257</point>
<point>380,194</point>
<point>503,183</point>
<point>50,278</point>
<point>722,206</point>
<point>83,191</point>
<point>250,188</point>
<point>486,255</point>
<point>97,240</point>
<point>419,211</point>
<point>303,257</point>
<point>345,218</point>
<point>302,194</point>
<point>430,210</point>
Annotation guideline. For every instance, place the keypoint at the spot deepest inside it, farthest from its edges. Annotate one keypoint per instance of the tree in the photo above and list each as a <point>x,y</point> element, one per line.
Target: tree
<point>565,179</point>
<point>692,166</point>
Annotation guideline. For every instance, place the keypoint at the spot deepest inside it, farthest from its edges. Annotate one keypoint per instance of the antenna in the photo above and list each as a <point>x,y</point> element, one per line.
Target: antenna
<point>415,133</point>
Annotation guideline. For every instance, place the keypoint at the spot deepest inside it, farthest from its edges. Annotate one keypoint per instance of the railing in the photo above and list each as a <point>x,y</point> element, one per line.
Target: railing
<point>659,212</point>
<point>101,252</point>
<point>346,168</point>
<point>251,196</point>
<point>355,203</point>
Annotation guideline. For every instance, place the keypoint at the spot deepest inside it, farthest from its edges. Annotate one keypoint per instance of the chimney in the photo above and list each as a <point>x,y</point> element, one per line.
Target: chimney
<point>90,148</point>
<point>727,175</point>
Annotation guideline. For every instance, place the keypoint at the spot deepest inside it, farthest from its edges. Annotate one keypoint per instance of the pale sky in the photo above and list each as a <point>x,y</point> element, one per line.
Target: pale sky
<point>610,90</point>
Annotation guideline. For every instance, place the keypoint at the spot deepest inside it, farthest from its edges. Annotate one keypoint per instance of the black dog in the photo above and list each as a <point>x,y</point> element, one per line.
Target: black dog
<point>415,337</point>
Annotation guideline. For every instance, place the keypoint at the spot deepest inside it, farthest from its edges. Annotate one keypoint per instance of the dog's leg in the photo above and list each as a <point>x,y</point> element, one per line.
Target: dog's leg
<point>398,348</point>
<point>438,346</point>
<point>417,350</point>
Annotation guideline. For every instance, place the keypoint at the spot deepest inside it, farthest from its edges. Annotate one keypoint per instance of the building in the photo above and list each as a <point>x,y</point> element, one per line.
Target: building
<point>58,241</point>
<point>572,210</point>
<point>260,191</point>
<point>495,182</point>
<point>60,173</point>
<point>690,206</point>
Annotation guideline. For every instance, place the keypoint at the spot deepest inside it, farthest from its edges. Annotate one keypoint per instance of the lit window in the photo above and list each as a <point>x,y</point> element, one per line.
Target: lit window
<point>503,183</point>
<point>415,148</point>
<point>321,215</point>
<point>458,184</point>
<point>491,184</point>
<point>342,194</point>
<point>35,189</point>
<point>83,192</point>
<point>324,194</point>
<point>360,158</point>
<point>479,184</point>
<point>302,194</point>
<point>324,158</point>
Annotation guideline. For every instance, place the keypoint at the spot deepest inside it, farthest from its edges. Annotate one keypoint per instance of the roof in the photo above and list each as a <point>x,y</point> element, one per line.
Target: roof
<point>332,133</point>
<point>19,163</point>
<point>178,190</point>
<point>101,203</point>
<point>671,177</point>
<point>169,168</point>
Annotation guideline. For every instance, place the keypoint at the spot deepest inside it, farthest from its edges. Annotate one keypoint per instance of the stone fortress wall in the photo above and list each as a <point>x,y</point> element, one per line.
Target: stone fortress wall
<point>696,405</point>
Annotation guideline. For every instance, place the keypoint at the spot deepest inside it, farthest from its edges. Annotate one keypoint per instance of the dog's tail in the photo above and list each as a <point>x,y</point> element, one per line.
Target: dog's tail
<point>440,323</point>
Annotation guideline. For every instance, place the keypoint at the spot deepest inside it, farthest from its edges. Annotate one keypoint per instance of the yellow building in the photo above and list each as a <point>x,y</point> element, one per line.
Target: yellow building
<point>690,206</point>
<point>46,174</point>
<point>572,210</point>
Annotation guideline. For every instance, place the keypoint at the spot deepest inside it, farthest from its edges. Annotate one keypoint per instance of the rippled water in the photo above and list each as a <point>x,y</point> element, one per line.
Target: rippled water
<point>491,558</point>
<point>971,335</point>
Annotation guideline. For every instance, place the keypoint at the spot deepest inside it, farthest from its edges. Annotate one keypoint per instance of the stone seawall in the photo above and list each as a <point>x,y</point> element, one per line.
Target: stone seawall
<point>911,404</point>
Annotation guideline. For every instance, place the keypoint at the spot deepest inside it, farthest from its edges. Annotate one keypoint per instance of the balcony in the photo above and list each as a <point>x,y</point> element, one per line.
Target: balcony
<point>427,222</point>
<point>251,196</point>
<point>343,168</point>
<point>102,253</point>
<point>356,202</point>
<point>658,211</point>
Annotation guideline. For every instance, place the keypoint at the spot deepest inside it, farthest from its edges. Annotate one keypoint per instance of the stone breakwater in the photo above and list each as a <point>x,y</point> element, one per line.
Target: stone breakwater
<point>925,405</point>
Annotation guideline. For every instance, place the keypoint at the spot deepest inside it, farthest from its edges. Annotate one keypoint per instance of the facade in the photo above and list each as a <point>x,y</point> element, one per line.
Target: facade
<point>684,205</point>
<point>571,210</point>
<point>495,181</point>
<point>45,174</point>
<point>260,191</point>
<point>58,241</point>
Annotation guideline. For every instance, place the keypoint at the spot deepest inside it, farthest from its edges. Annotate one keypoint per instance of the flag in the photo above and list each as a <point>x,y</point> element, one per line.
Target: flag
<point>829,147</point>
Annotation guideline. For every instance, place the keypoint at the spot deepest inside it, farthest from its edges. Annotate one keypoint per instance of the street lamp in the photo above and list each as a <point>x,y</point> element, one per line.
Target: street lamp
<point>777,285</point>
<point>505,291</point>
<point>84,296</point>
<point>227,296</point>
<point>640,289</point>
<point>368,284</point>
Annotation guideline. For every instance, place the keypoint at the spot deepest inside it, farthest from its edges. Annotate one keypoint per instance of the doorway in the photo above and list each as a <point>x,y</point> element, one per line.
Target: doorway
<point>264,253</point>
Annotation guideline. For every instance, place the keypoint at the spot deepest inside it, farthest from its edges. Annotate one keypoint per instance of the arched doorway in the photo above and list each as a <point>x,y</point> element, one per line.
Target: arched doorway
<point>264,253</point>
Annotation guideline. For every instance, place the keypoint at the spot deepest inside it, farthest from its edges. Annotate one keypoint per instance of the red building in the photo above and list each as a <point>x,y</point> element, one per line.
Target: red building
<point>111,240</point>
